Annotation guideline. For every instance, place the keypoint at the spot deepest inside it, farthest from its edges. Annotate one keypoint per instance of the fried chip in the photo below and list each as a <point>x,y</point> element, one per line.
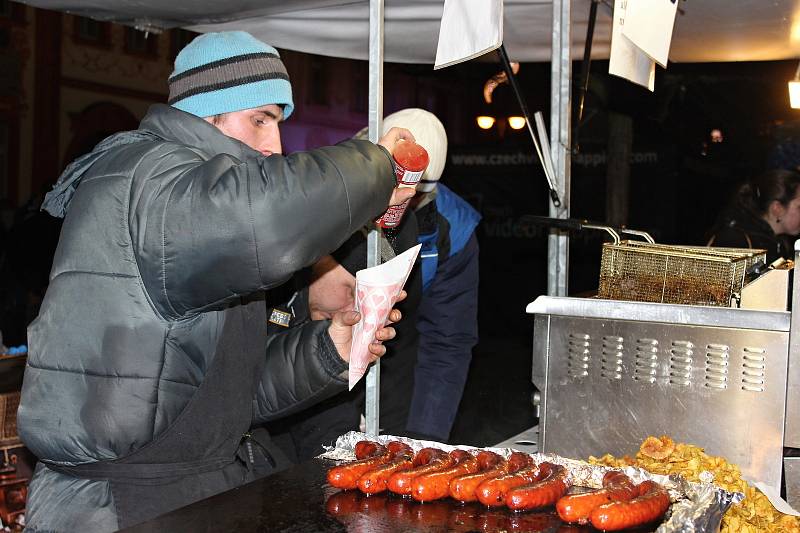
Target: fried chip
<point>663,456</point>
<point>657,448</point>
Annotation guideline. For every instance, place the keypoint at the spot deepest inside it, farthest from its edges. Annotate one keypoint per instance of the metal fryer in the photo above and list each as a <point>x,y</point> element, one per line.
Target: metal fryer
<point>611,373</point>
<point>643,271</point>
<point>649,272</point>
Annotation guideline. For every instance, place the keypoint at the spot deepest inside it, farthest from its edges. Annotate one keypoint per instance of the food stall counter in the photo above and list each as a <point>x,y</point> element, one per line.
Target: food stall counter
<point>299,500</point>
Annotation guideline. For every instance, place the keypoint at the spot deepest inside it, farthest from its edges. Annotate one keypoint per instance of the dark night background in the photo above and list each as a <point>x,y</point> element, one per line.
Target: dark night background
<point>679,182</point>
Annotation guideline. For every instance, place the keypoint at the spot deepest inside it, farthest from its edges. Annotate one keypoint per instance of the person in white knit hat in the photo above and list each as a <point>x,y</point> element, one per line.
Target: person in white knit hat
<point>448,313</point>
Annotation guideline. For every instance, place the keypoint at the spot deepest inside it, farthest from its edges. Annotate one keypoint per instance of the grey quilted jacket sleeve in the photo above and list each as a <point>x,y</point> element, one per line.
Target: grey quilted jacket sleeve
<point>302,368</point>
<point>208,230</point>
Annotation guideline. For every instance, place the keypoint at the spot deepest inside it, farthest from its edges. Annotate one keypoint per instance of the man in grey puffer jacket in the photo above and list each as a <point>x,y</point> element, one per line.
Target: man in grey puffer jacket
<point>149,360</point>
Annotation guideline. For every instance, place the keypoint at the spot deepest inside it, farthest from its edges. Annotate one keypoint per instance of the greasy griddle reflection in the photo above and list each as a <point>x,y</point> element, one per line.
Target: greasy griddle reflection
<point>387,512</point>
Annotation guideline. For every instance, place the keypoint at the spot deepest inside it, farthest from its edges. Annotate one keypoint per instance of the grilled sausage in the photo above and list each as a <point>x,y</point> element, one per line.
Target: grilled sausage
<point>650,505</point>
<point>365,448</point>
<point>395,446</point>
<point>487,460</point>
<point>436,485</point>
<point>576,508</point>
<point>345,476</point>
<point>400,482</point>
<point>492,492</point>
<point>551,485</point>
<point>464,488</point>
<point>375,480</point>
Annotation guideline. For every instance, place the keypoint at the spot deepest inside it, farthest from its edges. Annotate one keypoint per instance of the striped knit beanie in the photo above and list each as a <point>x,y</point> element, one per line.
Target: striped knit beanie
<point>228,71</point>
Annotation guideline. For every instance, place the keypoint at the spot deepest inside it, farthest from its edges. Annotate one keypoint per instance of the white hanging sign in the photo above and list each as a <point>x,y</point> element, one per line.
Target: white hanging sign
<point>648,25</point>
<point>469,29</point>
<point>626,59</point>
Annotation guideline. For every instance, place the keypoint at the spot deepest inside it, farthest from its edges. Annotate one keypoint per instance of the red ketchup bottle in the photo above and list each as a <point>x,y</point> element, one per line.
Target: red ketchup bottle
<point>410,162</point>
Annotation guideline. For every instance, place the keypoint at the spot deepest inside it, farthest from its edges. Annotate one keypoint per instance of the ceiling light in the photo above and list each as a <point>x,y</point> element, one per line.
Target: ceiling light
<point>516,123</point>
<point>794,90</point>
<point>485,122</point>
<point>794,94</point>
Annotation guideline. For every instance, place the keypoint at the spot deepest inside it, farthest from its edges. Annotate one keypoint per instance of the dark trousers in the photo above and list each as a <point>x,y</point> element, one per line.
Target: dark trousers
<point>448,330</point>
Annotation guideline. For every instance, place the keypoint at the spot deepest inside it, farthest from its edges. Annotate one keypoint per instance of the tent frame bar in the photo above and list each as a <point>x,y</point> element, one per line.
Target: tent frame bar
<point>560,149</point>
<point>375,122</point>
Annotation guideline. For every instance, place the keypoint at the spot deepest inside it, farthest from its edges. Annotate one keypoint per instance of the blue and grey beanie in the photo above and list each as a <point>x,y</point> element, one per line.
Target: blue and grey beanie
<point>228,71</point>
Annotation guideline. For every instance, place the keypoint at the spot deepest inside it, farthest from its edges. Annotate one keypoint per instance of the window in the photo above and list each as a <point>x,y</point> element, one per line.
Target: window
<point>12,11</point>
<point>90,31</point>
<point>140,43</point>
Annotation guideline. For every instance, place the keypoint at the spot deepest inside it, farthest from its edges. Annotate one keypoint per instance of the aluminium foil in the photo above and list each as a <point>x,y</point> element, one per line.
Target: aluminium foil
<point>696,507</point>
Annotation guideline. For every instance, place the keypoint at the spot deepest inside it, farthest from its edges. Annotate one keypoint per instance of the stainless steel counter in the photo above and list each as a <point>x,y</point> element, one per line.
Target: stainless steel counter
<point>696,315</point>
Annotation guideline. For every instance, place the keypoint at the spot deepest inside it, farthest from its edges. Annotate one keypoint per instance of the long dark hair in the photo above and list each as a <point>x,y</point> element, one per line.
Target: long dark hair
<point>757,195</point>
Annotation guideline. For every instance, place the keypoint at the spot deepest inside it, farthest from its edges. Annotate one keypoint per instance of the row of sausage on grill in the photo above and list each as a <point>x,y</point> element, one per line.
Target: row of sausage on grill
<point>517,482</point>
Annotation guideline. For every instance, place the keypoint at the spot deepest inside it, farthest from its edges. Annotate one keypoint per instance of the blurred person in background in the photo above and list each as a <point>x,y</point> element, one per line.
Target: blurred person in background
<point>764,214</point>
<point>448,313</point>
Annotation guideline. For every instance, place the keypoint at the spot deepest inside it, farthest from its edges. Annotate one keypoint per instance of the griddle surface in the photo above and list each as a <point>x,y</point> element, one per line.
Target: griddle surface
<point>299,500</point>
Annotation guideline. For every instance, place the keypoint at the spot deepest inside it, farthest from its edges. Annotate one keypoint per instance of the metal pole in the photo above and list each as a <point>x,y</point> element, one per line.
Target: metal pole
<point>560,110</point>
<point>512,80</point>
<point>372,411</point>
<point>587,61</point>
<point>791,435</point>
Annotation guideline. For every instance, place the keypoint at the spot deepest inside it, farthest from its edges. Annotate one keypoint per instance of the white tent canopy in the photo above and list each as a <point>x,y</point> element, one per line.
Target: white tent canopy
<point>705,30</point>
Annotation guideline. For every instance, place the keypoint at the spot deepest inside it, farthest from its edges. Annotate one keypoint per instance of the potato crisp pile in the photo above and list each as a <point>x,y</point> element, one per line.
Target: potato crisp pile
<point>663,456</point>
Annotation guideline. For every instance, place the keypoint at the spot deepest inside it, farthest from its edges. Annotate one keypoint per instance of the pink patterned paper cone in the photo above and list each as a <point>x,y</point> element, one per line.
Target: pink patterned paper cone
<point>374,302</point>
<point>376,291</point>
